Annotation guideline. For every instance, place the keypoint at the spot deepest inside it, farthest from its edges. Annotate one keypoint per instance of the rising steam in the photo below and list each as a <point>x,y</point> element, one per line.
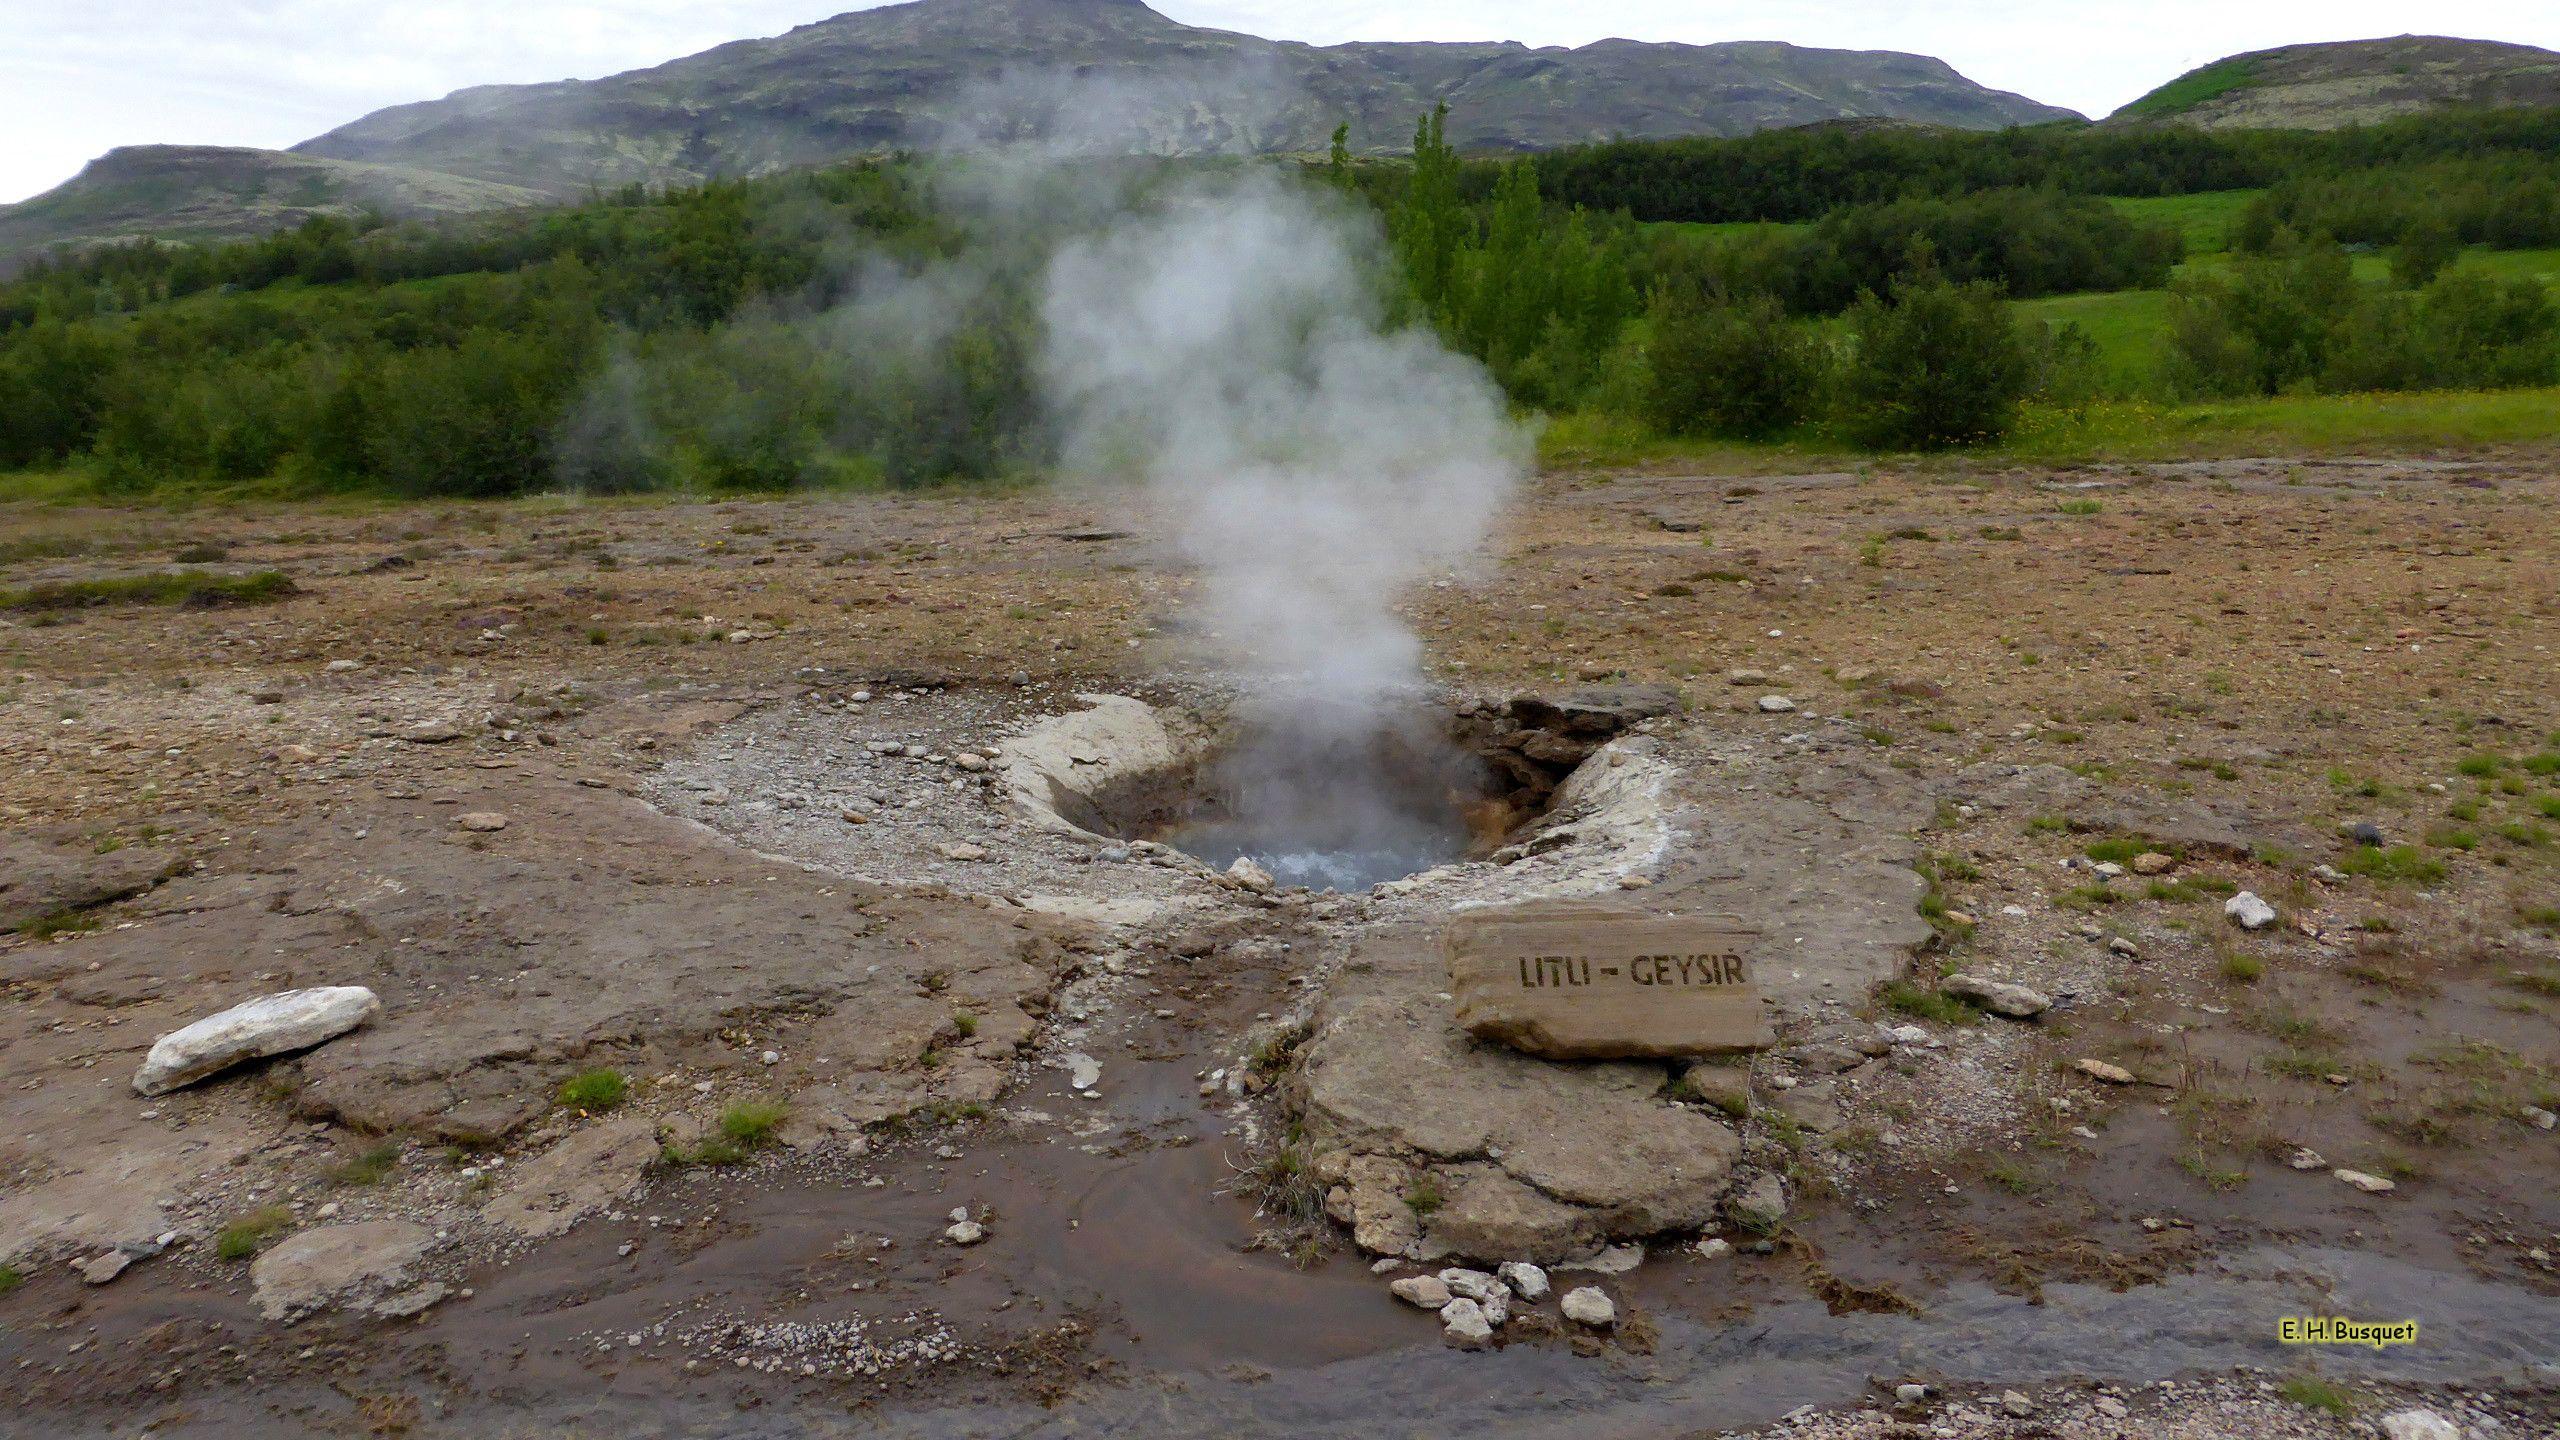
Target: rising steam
<point>1224,343</point>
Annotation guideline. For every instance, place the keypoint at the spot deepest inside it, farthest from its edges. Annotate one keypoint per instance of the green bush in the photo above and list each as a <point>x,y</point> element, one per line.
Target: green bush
<point>1739,371</point>
<point>1939,365</point>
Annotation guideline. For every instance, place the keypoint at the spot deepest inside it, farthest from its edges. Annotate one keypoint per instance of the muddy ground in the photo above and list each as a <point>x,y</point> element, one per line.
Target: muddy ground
<point>1146,1083</point>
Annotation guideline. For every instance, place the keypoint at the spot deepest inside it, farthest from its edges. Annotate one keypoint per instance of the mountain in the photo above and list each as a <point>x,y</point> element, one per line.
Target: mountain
<point>962,71</point>
<point>214,192</point>
<point>2324,87</point>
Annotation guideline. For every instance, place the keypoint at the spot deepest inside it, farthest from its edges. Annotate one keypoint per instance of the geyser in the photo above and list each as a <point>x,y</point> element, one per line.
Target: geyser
<point>1225,341</point>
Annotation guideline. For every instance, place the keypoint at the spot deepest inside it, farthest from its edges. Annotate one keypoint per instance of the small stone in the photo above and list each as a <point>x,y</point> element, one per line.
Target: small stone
<point>432,732</point>
<point>1250,876</point>
<point>1910,1394</point>
<point>481,821</point>
<point>2150,862</point>
<point>1762,1205</point>
<point>2111,1407</point>
<point>964,852</point>
<point>2306,1158</point>
<point>969,762</point>
<point>1426,1291</point>
<point>1591,1306</point>
<point>2121,946</point>
<point>100,1269</point>
<point>2365,832</point>
<point>2419,1425</point>
<point>2101,1070</point>
<point>2015,1405</point>
<point>2249,911</point>
<point>1526,1280</point>
<point>1475,1285</point>
<point>964,1232</point>
<point>1776,705</point>
<point>1746,677</point>
<point>1083,1071</point>
<point>1463,1324</point>
<point>2369,1184</point>
<point>2539,1118</point>
<point>2000,997</point>
<point>1714,1248</point>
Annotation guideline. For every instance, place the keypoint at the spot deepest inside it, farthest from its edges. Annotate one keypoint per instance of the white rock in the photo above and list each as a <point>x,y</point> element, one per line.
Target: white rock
<point>1590,1306</point>
<point>2369,1184</point>
<point>2017,1406</point>
<point>481,821</point>
<point>2306,1158</point>
<point>1714,1249</point>
<point>2419,1425</point>
<point>2539,1118</point>
<point>313,1267</point>
<point>2000,997</point>
<point>2251,912</point>
<point>1776,705</point>
<point>1475,1285</point>
<point>1910,1394</point>
<point>268,1025</point>
<point>1249,875</point>
<point>103,1268</point>
<point>1463,1324</point>
<point>969,762</point>
<point>1083,1071</point>
<point>964,1232</point>
<point>2101,1070</point>
<point>964,852</point>
<point>1426,1291</point>
<point>1525,1279</point>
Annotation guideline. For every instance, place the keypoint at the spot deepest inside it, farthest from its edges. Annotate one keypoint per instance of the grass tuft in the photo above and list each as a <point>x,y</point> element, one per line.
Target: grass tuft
<point>595,1090</point>
<point>176,587</point>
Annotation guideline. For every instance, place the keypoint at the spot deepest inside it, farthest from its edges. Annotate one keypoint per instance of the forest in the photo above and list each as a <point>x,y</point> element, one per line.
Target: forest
<point>1884,288</point>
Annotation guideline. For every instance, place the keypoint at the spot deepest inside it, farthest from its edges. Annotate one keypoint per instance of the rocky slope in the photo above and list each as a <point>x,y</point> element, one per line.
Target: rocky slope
<point>216,192</point>
<point>2325,87</point>
<point>942,71</point>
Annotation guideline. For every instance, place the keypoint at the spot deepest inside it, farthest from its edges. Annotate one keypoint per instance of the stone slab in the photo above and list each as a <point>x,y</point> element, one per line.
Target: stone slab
<point>1588,980</point>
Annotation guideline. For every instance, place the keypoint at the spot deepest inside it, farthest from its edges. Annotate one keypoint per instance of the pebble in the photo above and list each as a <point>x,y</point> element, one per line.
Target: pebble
<point>1910,1394</point>
<point>2419,1425</point>
<point>2249,911</point>
<point>2015,1405</point>
<point>481,821</point>
<point>1714,1248</point>
<point>2101,1070</point>
<point>965,1232</point>
<point>1428,1291</point>
<point>1591,1306</point>
<point>1526,1280</point>
<point>2369,1184</point>
<point>1463,1324</point>
<point>1776,705</point>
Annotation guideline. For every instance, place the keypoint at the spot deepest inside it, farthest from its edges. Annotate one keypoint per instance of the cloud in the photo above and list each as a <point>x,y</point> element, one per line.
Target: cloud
<point>80,79</point>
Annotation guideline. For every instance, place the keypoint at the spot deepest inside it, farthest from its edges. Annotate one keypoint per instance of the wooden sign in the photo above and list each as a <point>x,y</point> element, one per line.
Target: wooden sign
<point>1588,980</point>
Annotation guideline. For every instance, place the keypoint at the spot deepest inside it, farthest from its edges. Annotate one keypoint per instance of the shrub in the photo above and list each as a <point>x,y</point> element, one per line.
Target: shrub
<point>1739,371</point>
<point>1940,365</point>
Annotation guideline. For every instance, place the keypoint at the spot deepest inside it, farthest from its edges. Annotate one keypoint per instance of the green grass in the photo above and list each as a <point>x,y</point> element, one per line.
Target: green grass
<point>249,1234</point>
<point>370,1167</point>
<point>752,1122</point>
<point>2194,88</point>
<point>594,1090</point>
<point>172,587</point>
<point>2203,220</point>
<point>10,1278</point>
<point>1922,1003</point>
<point>2313,1393</point>
<point>2401,863</point>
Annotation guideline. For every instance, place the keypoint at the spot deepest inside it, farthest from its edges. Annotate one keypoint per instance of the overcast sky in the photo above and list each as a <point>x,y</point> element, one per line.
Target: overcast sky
<point>80,76</point>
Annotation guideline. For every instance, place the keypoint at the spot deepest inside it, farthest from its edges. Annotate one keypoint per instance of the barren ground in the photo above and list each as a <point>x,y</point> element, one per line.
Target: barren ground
<point>1993,673</point>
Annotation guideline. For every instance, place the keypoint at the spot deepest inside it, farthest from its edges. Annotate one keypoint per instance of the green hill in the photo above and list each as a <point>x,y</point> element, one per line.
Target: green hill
<point>2326,87</point>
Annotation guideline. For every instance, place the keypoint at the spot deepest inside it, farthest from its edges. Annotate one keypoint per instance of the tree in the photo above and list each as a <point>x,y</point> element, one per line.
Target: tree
<point>1431,221</point>
<point>2425,249</point>
<point>1739,371</point>
<point>1939,365</point>
<point>1337,160</point>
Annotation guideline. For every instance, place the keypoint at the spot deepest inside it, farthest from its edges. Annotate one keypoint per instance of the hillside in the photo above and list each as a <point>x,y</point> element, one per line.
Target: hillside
<point>2325,87</point>
<point>971,70</point>
<point>215,192</point>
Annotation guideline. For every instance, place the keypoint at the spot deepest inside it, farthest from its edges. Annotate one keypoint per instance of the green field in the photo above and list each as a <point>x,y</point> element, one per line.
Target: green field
<point>2204,220</point>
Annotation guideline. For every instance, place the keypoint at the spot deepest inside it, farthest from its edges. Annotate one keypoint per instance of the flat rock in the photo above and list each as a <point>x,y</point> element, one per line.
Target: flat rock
<point>336,1262</point>
<point>2000,997</point>
<point>2101,1070</point>
<point>2369,1184</point>
<point>2419,1425</point>
<point>1761,1205</point>
<point>44,875</point>
<point>582,1174</point>
<point>481,822</point>
<point>1463,1324</point>
<point>269,1025</point>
